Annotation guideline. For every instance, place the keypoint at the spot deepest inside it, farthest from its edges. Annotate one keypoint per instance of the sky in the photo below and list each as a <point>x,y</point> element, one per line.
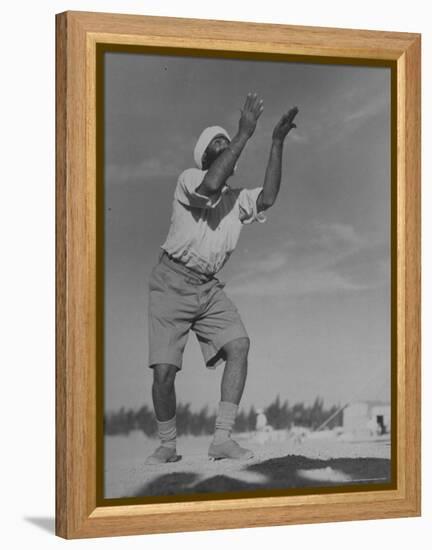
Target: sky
<point>312,283</point>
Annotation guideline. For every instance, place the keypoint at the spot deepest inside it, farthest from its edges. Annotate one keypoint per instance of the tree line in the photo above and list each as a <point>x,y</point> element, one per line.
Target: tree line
<point>279,416</point>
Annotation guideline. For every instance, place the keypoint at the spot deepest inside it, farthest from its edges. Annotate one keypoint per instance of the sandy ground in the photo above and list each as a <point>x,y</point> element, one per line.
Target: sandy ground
<point>279,462</point>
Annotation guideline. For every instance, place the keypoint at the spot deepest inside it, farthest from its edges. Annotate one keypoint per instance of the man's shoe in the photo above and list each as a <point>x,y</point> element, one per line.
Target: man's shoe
<point>162,455</point>
<point>228,449</point>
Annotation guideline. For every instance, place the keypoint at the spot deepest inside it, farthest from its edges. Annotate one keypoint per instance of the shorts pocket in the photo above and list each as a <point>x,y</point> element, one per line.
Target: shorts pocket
<point>156,281</point>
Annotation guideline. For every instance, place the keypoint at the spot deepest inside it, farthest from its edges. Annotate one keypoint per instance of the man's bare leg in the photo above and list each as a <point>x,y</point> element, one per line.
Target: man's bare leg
<point>164,402</point>
<point>232,386</point>
<point>235,371</point>
<point>163,391</point>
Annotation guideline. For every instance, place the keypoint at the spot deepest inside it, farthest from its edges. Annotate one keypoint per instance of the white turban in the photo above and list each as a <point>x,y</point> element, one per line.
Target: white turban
<point>204,140</point>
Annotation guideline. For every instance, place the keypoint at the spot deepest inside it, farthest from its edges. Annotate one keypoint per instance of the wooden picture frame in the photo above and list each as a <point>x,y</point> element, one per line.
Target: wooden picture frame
<point>79,37</point>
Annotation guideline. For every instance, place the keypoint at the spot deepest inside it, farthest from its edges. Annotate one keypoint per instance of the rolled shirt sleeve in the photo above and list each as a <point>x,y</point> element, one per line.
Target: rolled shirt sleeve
<point>248,206</point>
<point>186,190</point>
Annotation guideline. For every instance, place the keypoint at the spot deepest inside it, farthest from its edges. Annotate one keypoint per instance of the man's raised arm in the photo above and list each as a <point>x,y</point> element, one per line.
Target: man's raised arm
<point>274,166</point>
<point>223,165</point>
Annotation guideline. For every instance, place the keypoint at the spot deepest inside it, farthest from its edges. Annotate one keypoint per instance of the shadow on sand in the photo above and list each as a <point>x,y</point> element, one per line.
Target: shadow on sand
<point>276,473</point>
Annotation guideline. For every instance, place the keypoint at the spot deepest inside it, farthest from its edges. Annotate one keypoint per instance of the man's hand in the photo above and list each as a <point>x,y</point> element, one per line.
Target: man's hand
<point>250,113</point>
<point>284,125</point>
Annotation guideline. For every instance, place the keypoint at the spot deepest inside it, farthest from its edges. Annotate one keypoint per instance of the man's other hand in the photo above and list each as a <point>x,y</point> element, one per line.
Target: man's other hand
<point>284,125</point>
<point>250,113</point>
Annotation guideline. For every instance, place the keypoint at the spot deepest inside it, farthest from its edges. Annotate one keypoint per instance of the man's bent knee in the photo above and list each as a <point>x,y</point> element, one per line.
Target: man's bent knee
<point>164,374</point>
<point>237,348</point>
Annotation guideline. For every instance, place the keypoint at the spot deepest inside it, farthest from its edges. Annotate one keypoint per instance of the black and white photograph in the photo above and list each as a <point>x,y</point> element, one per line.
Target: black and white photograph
<point>247,254</point>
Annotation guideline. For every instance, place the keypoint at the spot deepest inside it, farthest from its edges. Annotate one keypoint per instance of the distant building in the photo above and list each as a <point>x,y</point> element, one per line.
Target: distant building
<point>367,418</point>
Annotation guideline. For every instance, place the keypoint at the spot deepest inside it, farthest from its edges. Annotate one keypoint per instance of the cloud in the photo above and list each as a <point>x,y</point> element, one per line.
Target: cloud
<point>328,258</point>
<point>367,110</point>
<point>295,283</point>
<point>270,263</point>
<point>145,170</point>
<point>325,126</point>
<point>336,238</point>
<point>298,137</point>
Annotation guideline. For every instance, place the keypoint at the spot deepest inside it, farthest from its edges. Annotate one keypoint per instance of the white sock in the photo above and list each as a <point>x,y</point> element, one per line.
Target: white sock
<point>167,432</point>
<point>225,420</point>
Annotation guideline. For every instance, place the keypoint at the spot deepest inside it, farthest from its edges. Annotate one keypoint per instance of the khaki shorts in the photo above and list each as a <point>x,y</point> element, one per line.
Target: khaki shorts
<point>181,300</point>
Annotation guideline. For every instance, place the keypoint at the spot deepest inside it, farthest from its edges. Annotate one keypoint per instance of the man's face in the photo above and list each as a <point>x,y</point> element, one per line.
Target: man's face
<point>218,144</point>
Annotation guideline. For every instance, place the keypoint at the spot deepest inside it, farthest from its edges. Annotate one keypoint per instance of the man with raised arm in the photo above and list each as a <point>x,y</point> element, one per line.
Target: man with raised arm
<point>185,294</point>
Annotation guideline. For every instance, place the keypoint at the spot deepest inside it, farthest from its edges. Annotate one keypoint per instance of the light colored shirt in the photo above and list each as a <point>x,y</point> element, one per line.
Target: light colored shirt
<point>204,231</point>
